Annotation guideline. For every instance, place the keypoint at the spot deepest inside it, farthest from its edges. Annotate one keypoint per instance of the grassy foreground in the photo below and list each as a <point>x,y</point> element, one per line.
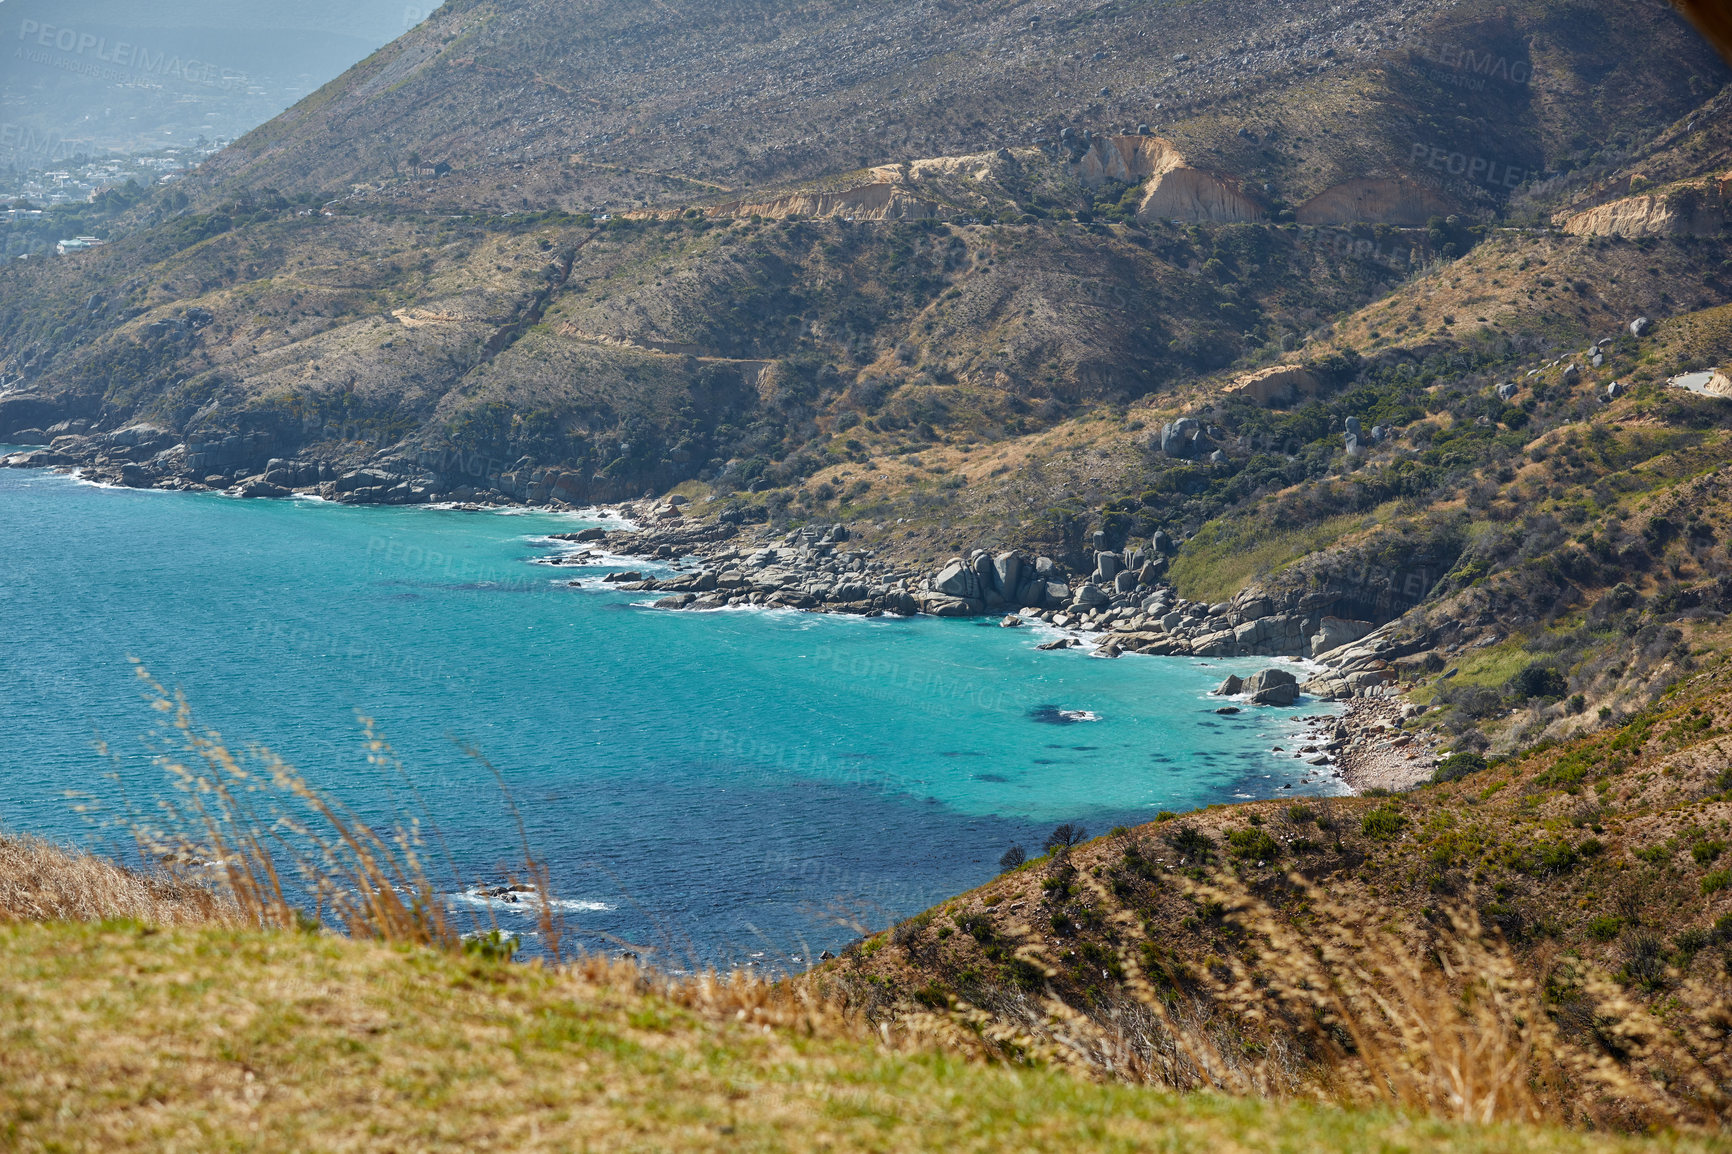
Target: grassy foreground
<point>118,1036</point>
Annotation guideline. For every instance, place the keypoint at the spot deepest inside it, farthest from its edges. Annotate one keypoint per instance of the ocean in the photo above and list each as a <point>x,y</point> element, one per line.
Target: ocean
<point>711,788</point>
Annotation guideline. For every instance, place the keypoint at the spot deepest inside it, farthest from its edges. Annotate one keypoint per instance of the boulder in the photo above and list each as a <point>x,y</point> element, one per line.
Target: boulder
<point>1640,326</point>
<point>942,606</point>
<point>1221,644</point>
<point>1007,571</point>
<point>1091,597</point>
<point>1230,687</point>
<point>259,487</point>
<point>1057,593</point>
<point>956,579</point>
<point>1272,687</point>
<point>1010,622</point>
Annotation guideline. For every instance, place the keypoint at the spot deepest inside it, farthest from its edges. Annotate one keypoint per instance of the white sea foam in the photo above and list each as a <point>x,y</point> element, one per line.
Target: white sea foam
<point>526,903</point>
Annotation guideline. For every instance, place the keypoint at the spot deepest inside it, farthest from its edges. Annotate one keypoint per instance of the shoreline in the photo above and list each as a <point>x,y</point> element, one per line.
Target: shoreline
<point>1360,757</point>
<point>813,569</point>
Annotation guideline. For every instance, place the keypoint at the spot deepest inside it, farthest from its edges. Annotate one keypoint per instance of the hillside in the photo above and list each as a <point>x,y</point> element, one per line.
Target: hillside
<point>284,1041</point>
<point>1604,855</point>
<point>956,235</point>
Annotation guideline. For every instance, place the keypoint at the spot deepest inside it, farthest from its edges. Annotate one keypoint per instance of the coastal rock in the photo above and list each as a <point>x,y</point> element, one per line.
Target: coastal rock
<point>942,605</point>
<point>1091,597</point>
<point>1010,622</point>
<point>1334,632</point>
<point>957,579</point>
<point>1218,644</point>
<point>258,487</point>
<point>1230,687</point>
<point>1272,687</point>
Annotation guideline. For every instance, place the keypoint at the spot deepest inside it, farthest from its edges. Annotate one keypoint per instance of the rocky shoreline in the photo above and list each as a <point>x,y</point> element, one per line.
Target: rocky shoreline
<point>815,569</point>
<point>1124,605</point>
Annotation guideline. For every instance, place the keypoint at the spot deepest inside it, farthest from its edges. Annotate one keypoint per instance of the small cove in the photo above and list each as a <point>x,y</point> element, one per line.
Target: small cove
<point>721,785</point>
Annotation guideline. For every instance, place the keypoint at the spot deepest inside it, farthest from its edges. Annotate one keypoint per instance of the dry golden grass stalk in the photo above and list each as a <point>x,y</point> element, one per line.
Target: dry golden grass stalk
<point>234,818</point>
<point>1329,1001</point>
<point>40,882</point>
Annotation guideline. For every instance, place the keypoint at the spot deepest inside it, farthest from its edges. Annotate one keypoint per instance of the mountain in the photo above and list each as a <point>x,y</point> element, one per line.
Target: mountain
<point>953,273</point>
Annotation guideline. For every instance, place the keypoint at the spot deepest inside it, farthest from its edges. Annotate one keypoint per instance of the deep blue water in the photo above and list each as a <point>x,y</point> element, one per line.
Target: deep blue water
<point>716,784</point>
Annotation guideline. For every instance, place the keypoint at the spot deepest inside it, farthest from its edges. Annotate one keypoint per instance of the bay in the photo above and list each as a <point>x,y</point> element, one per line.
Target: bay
<point>719,787</point>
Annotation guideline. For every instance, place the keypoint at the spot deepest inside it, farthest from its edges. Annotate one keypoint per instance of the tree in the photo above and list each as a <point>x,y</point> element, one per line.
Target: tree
<point>1065,836</point>
<point>1013,857</point>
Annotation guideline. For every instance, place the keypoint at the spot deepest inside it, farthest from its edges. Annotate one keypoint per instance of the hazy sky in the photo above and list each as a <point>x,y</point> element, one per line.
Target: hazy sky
<point>133,75</point>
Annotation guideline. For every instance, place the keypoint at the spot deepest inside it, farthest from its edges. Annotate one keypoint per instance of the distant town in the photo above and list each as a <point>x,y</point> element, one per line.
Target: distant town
<point>29,196</point>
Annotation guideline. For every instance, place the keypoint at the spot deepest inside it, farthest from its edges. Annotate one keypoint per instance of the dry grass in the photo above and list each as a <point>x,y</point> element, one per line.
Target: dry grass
<point>120,1038</point>
<point>40,882</point>
<point>260,1024</point>
<point>1333,1000</point>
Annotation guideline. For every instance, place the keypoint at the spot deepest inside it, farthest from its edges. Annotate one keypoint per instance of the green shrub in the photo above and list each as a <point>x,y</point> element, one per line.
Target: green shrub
<point>1383,822</point>
<point>1190,841</point>
<point>1253,845</point>
<point>1457,765</point>
<point>1706,851</point>
<point>1605,927</point>
<point>494,946</point>
<point>1716,881</point>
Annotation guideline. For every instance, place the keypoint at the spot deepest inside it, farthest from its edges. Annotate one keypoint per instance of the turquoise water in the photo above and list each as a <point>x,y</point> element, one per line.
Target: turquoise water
<point>713,784</point>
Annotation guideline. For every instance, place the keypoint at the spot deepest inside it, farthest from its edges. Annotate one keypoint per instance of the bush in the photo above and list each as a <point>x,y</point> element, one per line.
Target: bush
<point>1706,851</point>
<point>1013,857</point>
<point>1383,822</point>
<point>1605,927</point>
<point>1253,845</point>
<point>977,926</point>
<point>1190,841</point>
<point>1456,765</point>
<point>1716,881</point>
<point>1691,942</point>
<point>1537,680</point>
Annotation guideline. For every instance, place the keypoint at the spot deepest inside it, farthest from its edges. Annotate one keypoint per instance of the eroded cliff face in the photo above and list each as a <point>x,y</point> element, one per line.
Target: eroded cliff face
<point>1173,189</point>
<point>1376,200</point>
<point>874,200</point>
<point>1693,210</point>
<point>1277,384</point>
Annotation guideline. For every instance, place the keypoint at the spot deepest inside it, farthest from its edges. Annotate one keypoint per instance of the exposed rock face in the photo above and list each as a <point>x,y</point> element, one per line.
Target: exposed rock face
<point>1174,190</point>
<point>878,199</point>
<point>1370,200</point>
<point>1334,632</point>
<point>1276,385</point>
<point>1690,211</point>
